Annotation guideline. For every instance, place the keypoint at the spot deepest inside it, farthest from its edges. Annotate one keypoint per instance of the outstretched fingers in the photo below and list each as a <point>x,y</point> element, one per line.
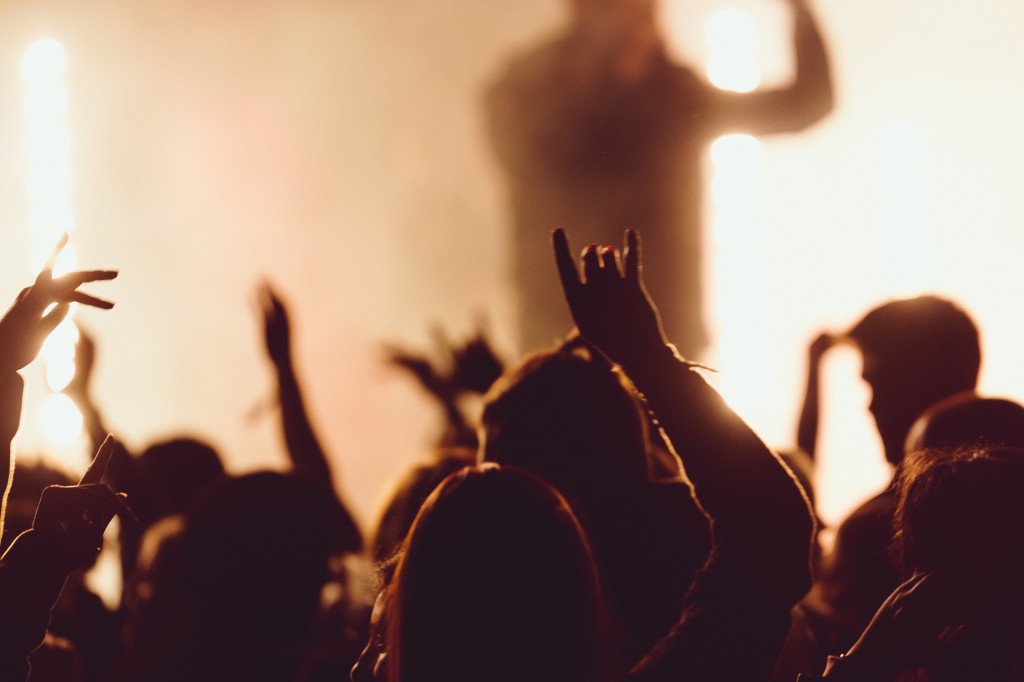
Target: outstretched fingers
<point>73,280</point>
<point>567,270</point>
<point>631,257</point>
<point>47,270</point>
<point>64,289</point>
<point>94,474</point>
<point>86,299</point>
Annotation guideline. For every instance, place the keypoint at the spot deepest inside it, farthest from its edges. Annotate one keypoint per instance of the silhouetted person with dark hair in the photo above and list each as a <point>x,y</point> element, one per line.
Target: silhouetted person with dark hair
<point>968,419</point>
<point>248,564</point>
<point>409,494</point>
<point>916,352</point>
<point>459,371</point>
<point>67,530</point>
<point>736,612</point>
<point>229,580</point>
<point>597,130</point>
<point>959,616</point>
<point>496,582</point>
<point>568,416</point>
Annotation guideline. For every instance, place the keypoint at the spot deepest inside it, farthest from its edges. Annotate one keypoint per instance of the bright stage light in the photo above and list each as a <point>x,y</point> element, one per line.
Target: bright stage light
<point>731,151</point>
<point>60,420</point>
<point>49,184</point>
<point>48,222</point>
<point>43,62</point>
<point>731,30</point>
<point>42,250</point>
<point>739,73</point>
<point>732,36</point>
<point>45,104</point>
<point>48,145</point>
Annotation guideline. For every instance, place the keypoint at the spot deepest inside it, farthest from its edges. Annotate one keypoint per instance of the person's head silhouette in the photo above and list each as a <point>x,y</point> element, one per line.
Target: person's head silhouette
<point>916,352</point>
<point>495,582</point>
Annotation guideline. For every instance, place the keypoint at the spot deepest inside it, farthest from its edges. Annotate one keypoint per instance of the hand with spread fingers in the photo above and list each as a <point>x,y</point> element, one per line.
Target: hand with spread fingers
<point>24,327</point>
<point>608,300</point>
<point>475,364</point>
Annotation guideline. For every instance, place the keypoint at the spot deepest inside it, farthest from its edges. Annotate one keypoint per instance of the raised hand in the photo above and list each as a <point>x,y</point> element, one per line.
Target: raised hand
<point>911,627</point>
<point>30,320</point>
<point>475,365</point>
<point>422,368</point>
<point>821,343</point>
<point>457,368</point>
<point>608,301</point>
<point>85,360</point>
<point>276,328</point>
<point>75,516</point>
<point>807,426</point>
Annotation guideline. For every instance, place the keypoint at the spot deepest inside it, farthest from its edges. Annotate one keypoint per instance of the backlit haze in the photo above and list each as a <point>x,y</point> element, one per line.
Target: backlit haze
<point>336,148</point>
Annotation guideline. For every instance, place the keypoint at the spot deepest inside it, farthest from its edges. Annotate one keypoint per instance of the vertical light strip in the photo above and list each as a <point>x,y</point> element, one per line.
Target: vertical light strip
<point>737,201</point>
<point>47,150</point>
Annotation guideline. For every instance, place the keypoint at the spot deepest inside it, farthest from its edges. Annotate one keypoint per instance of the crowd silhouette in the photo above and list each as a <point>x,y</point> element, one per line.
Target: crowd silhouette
<point>591,511</point>
<point>611,518</point>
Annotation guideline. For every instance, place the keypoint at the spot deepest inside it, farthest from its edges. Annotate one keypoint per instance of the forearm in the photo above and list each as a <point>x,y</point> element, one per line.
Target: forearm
<point>807,428</point>
<point>303,446</point>
<point>31,580</point>
<point>11,392</point>
<point>306,454</point>
<point>749,494</point>
<point>737,610</point>
<point>813,79</point>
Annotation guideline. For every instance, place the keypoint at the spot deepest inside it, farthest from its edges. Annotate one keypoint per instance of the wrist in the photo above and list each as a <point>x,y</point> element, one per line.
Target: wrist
<point>852,668</point>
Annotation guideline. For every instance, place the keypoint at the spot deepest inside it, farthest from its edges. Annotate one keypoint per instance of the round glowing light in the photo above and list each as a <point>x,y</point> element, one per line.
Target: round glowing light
<point>736,150</point>
<point>731,31</point>
<point>43,62</point>
<point>60,344</point>
<point>60,373</point>
<point>60,420</point>
<point>738,73</point>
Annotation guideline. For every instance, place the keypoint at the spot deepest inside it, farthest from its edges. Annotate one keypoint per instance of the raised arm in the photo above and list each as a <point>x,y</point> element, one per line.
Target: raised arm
<point>808,98</point>
<point>66,534</point>
<point>23,329</point>
<point>807,427</point>
<point>737,613</point>
<point>465,368</point>
<point>307,455</point>
<point>123,472</point>
<point>733,472</point>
